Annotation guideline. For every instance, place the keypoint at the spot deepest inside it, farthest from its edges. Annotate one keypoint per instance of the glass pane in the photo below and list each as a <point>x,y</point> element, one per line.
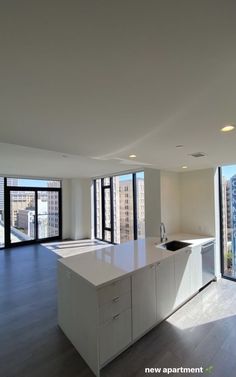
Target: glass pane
<point>106,181</point>
<point>140,204</point>
<point>123,208</point>
<point>2,235</point>
<point>107,198</point>
<point>99,208</point>
<point>48,214</point>
<point>228,190</point>
<point>32,182</point>
<point>22,215</point>
<point>107,235</point>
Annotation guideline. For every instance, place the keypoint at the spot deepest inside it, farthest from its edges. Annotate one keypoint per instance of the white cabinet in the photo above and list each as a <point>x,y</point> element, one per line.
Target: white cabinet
<point>165,288</point>
<point>182,262</point>
<point>114,301</point>
<point>143,300</point>
<point>114,335</point>
<point>97,321</point>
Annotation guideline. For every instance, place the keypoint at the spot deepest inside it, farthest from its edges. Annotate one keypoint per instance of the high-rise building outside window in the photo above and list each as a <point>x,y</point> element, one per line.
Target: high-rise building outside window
<point>123,186</point>
<point>140,204</point>
<point>228,219</point>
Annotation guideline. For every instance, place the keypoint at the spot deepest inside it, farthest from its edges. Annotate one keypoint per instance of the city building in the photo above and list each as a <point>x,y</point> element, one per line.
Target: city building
<point>233,219</point>
<point>226,220</point>
<point>26,221</point>
<point>1,198</point>
<point>20,200</point>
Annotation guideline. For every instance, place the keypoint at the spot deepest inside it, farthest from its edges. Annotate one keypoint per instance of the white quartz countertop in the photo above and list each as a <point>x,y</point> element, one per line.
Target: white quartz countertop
<point>105,265</point>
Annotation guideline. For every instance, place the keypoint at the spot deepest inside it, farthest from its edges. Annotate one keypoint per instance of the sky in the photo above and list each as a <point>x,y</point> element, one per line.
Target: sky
<point>228,171</point>
<point>32,182</point>
<point>129,176</point>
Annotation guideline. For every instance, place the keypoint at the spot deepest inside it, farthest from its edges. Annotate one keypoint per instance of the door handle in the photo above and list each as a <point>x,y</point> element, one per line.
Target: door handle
<point>116,299</point>
<point>117,316</point>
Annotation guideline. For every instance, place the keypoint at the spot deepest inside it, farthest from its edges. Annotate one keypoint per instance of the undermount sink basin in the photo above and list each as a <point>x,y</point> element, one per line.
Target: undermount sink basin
<point>174,245</point>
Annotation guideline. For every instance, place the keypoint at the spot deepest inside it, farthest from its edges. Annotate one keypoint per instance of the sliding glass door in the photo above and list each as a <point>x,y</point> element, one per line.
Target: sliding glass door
<point>22,216</point>
<point>48,220</point>
<point>32,214</point>
<point>2,223</point>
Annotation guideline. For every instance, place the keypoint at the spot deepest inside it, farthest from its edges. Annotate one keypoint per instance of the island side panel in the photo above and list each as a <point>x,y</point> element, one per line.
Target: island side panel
<point>78,314</point>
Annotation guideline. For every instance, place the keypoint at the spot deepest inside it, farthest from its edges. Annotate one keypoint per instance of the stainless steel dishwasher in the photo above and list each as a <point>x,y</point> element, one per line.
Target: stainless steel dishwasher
<point>208,262</point>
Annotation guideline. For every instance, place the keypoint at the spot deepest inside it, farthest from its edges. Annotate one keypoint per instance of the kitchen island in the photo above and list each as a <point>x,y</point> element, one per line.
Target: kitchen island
<point>109,298</point>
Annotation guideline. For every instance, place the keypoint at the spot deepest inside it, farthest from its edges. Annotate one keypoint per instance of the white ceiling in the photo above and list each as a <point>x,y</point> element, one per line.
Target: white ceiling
<point>99,80</point>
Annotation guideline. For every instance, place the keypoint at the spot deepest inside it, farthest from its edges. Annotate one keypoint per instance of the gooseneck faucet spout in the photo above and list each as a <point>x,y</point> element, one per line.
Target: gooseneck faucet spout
<point>163,233</point>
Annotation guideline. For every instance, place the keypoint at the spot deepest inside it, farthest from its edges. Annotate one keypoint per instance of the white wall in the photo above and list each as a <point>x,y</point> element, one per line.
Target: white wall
<point>170,201</point>
<point>197,206</point>
<point>152,188</point>
<point>217,225</point>
<point>66,213</point>
<point>183,201</point>
<point>80,205</point>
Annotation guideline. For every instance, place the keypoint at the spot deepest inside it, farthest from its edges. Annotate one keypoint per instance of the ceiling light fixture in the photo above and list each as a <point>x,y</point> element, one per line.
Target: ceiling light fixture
<point>184,167</point>
<point>132,156</point>
<point>227,128</point>
<point>198,154</point>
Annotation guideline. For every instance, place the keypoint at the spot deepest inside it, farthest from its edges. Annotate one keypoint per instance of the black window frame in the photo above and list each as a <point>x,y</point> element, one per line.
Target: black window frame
<point>110,186</point>
<point>7,214</point>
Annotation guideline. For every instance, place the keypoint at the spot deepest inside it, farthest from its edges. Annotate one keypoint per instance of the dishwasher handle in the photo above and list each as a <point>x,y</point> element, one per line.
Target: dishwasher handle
<point>207,246</point>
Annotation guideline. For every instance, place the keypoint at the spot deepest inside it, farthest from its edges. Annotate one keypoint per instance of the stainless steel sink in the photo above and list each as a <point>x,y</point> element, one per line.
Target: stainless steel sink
<point>174,245</point>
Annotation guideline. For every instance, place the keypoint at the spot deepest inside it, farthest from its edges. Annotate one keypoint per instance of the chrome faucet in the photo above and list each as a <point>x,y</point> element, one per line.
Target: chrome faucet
<point>163,233</point>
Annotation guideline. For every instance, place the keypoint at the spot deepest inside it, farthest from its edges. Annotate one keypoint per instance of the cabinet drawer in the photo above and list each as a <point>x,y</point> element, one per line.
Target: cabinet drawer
<point>114,336</point>
<point>113,291</point>
<point>116,306</point>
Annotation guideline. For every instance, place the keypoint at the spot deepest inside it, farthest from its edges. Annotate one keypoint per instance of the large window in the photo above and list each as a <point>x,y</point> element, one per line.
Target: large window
<point>123,208</point>
<point>30,210</point>
<point>228,220</point>
<point>2,227</point>
<point>119,207</point>
<point>140,204</point>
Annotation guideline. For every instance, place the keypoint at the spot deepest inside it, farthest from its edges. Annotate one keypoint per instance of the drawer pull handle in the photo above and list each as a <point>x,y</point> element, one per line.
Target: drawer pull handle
<point>116,299</point>
<point>116,317</point>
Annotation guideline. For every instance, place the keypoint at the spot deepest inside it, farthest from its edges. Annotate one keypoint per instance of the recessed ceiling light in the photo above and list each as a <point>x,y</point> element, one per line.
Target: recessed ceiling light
<point>227,128</point>
<point>184,167</point>
<point>179,146</point>
<point>132,156</point>
<point>198,154</point>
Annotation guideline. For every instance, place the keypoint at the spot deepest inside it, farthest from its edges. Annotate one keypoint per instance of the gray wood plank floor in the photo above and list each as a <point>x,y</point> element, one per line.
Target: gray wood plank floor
<point>201,333</point>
